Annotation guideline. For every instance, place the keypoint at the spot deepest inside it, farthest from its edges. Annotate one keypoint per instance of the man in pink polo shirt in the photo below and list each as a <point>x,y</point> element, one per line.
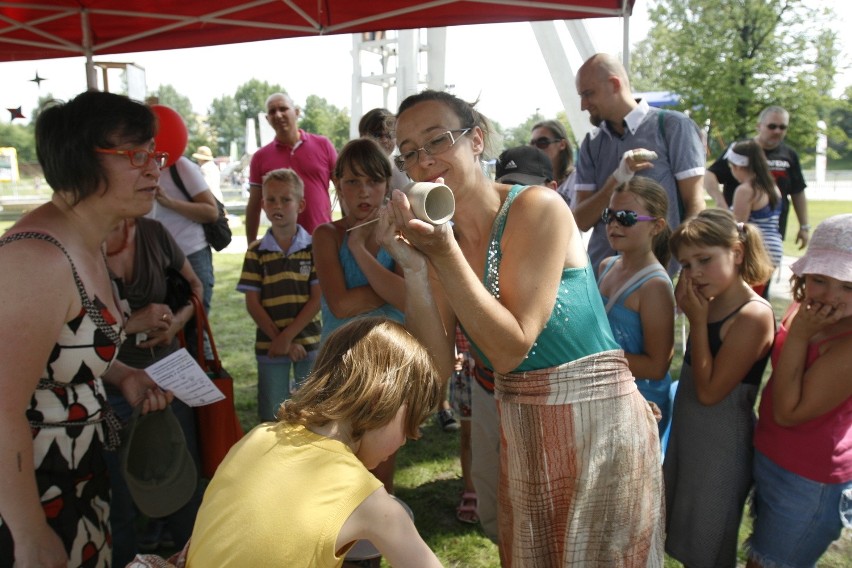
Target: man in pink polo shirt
<point>309,155</point>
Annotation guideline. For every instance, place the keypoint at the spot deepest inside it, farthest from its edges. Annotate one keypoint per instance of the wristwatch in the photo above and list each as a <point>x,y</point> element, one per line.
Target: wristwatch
<point>805,227</point>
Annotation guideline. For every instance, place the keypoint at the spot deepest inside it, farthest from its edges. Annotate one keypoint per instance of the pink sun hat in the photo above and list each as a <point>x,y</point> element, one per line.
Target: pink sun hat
<point>829,250</point>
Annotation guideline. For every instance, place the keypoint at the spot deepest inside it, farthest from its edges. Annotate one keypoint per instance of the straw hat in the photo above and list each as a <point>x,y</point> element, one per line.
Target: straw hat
<point>829,250</point>
<point>203,154</point>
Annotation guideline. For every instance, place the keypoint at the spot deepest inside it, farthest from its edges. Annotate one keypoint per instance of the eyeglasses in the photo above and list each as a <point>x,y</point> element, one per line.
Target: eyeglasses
<point>625,217</point>
<point>138,158</point>
<point>773,126</point>
<point>543,142</point>
<point>433,147</point>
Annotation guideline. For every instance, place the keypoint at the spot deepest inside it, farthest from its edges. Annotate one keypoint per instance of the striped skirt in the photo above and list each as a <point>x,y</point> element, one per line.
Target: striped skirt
<point>580,472</point>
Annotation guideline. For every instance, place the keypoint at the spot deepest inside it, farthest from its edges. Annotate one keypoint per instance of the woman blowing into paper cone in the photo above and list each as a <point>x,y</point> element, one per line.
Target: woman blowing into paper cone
<point>63,329</point>
<point>575,430</point>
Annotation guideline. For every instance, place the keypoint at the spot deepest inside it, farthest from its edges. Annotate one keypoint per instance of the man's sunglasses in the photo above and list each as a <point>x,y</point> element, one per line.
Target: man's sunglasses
<point>625,217</point>
<point>543,142</point>
<point>773,126</point>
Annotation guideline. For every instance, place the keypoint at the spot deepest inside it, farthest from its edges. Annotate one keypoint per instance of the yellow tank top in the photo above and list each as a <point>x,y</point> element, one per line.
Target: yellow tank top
<point>279,498</point>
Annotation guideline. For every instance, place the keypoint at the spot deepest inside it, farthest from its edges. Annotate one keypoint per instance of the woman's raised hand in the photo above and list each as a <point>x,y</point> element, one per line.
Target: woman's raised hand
<point>389,233</point>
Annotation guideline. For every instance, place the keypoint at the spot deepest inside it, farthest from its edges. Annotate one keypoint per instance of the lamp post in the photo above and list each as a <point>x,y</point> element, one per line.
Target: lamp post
<point>821,147</point>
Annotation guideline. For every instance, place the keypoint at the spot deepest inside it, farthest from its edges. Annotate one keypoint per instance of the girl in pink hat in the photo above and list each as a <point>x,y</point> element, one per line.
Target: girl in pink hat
<point>803,462</point>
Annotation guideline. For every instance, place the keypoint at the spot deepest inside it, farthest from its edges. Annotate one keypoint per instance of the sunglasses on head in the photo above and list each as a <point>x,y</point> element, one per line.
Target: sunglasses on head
<point>773,126</point>
<point>543,142</point>
<point>625,217</point>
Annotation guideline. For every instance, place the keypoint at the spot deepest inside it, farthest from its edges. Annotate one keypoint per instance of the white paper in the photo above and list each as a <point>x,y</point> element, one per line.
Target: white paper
<point>182,375</point>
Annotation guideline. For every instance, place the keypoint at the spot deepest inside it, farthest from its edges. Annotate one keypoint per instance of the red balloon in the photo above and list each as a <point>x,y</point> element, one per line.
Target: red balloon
<point>172,134</point>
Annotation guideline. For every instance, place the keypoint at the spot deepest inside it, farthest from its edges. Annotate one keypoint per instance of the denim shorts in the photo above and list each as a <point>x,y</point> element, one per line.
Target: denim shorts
<point>796,519</point>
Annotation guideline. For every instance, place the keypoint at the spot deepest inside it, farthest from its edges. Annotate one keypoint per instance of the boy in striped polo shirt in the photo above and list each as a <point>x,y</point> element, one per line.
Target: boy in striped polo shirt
<point>282,294</point>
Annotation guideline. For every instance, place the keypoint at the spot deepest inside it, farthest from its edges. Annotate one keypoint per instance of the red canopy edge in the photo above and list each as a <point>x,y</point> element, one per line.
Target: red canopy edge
<point>64,28</point>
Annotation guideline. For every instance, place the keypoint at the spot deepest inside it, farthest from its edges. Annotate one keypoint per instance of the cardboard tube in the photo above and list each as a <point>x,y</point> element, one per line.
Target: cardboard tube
<point>431,202</point>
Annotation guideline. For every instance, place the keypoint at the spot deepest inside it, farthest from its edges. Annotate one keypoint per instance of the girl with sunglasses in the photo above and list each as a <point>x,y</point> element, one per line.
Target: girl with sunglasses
<point>757,199</point>
<point>708,466</point>
<point>636,290</point>
<point>577,442</point>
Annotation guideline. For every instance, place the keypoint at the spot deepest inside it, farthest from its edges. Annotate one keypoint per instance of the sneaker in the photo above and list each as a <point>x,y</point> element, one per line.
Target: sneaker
<point>447,420</point>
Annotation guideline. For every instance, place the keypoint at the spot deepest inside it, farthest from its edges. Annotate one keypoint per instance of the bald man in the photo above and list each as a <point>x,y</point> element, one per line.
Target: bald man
<point>624,123</point>
<point>309,155</point>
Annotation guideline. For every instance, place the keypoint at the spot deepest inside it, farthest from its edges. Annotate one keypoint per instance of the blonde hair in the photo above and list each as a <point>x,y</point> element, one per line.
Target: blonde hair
<point>718,228</point>
<point>654,197</point>
<point>288,176</point>
<point>364,373</point>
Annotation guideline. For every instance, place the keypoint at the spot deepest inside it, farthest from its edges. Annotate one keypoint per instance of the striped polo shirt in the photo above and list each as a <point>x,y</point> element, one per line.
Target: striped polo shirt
<point>284,281</point>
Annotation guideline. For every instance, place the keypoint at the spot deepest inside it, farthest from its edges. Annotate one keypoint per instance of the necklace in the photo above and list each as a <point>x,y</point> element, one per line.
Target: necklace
<point>124,241</point>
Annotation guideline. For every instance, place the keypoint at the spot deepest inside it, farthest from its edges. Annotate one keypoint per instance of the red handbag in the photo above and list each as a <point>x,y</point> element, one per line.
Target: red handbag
<point>217,423</point>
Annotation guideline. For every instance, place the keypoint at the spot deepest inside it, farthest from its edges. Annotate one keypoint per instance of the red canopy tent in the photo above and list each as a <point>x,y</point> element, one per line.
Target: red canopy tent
<point>63,28</point>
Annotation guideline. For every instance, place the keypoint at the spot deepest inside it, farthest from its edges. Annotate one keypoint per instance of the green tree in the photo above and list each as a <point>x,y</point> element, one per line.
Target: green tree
<point>728,59</point>
<point>840,127</point>
<point>22,138</point>
<point>321,117</point>
<point>197,128</point>
<point>226,125</point>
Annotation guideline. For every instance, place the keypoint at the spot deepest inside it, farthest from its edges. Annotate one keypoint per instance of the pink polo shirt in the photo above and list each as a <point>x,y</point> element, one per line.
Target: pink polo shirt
<point>313,158</point>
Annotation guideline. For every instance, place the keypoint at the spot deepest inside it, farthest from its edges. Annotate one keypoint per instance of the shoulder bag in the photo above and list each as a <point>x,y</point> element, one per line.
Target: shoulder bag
<point>217,233</point>
<point>218,425</point>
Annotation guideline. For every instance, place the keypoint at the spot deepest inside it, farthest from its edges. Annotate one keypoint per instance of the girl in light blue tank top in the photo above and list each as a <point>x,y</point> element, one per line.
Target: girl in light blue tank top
<point>637,290</point>
<point>356,276</point>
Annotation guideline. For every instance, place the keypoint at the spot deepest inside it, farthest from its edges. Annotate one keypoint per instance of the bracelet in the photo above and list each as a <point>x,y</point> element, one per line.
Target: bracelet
<point>805,227</point>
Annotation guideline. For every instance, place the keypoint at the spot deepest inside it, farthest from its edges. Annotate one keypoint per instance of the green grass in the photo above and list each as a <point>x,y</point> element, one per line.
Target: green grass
<point>817,212</point>
<point>428,476</point>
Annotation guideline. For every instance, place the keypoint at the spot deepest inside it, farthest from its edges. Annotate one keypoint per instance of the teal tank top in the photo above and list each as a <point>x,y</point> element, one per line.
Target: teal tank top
<point>577,326</point>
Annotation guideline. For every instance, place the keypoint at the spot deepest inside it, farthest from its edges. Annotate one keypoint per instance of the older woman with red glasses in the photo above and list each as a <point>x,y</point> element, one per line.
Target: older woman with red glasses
<point>64,326</point>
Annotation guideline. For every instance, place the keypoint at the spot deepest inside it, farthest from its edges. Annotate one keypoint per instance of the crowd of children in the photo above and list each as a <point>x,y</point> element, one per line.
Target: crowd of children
<point>367,325</point>
<point>710,464</point>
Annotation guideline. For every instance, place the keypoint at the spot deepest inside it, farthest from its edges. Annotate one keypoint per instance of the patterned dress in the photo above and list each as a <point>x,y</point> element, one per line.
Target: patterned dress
<point>66,414</point>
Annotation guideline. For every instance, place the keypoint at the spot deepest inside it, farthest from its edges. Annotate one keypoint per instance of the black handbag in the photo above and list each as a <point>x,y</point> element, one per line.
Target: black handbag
<point>217,233</point>
<point>178,290</point>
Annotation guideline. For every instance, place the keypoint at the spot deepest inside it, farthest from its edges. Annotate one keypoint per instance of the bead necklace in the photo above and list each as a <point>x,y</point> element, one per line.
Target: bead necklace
<point>124,242</point>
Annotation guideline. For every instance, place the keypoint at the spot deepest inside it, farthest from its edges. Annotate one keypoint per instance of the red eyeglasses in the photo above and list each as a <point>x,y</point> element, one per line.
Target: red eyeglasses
<point>139,158</point>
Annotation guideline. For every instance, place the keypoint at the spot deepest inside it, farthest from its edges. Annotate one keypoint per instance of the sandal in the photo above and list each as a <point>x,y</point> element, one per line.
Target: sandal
<point>447,421</point>
<point>466,511</point>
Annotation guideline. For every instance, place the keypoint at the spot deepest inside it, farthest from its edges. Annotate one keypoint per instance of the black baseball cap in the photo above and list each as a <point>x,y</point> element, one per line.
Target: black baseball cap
<point>526,165</point>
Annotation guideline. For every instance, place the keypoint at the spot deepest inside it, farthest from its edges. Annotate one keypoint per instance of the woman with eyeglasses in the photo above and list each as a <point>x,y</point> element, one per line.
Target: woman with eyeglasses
<point>64,327</point>
<point>578,442</point>
<point>551,137</point>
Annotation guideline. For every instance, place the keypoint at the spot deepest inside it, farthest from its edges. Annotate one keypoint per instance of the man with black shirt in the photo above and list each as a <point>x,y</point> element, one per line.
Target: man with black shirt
<point>784,164</point>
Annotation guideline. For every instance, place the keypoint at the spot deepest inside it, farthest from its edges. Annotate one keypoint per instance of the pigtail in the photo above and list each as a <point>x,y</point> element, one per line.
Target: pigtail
<point>756,268</point>
<point>660,245</point>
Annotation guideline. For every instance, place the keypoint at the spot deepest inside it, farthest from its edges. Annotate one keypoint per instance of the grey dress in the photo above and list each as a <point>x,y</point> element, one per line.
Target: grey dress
<point>708,466</point>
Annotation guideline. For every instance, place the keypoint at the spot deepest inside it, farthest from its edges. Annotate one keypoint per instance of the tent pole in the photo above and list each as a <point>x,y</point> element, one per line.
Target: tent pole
<point>625,48</point>
<point>91,76</point>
